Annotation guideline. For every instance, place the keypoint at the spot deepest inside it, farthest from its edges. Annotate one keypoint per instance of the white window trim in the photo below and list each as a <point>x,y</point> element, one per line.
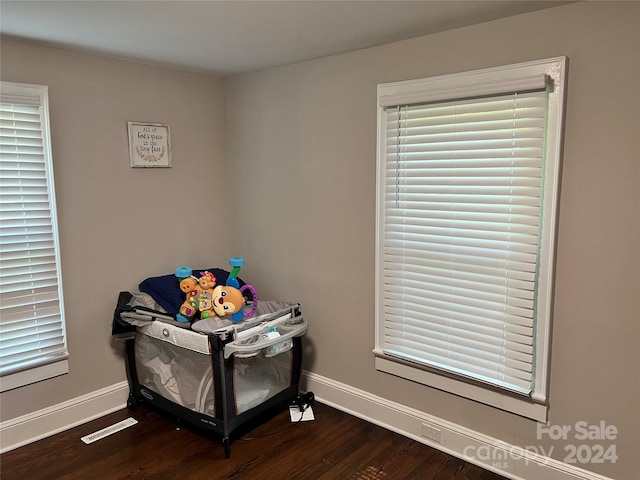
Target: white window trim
<point>34,375</point>
<point>57,364</point>
<point>463,85</point>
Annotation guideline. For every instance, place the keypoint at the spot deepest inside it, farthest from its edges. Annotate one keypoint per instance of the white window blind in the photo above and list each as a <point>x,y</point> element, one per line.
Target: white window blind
<point>463,184</point>
<point>32,331</point>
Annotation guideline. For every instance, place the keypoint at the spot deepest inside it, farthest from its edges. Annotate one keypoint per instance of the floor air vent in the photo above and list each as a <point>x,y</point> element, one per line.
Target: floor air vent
<point>105,432</point>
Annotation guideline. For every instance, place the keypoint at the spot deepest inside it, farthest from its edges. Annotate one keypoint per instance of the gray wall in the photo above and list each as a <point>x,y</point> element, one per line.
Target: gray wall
<point>119,225</point>
<point>302,153</point>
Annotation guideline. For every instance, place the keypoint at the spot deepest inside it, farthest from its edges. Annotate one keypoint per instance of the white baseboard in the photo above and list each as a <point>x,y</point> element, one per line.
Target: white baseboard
<point>29,428</point>
<point>474,447</point>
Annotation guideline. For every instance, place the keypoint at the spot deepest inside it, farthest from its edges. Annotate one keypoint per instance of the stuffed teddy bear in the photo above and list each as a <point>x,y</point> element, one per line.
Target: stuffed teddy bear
<point>204,296</point>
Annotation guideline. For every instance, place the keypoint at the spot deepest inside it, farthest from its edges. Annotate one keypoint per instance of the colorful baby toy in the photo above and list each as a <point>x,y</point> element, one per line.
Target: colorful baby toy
<point>204,296</point>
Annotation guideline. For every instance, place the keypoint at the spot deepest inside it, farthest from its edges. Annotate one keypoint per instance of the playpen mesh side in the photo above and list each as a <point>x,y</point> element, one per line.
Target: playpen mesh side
<point>257,378</point>
<point>181,375</point>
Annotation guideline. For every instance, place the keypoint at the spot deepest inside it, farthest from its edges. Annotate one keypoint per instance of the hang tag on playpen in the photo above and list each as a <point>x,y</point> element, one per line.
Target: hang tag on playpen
<point>298,416</point>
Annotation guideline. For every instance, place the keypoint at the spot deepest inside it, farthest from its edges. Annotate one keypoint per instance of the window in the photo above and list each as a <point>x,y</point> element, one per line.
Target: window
<point>32,334</point>
<point>468,174</point>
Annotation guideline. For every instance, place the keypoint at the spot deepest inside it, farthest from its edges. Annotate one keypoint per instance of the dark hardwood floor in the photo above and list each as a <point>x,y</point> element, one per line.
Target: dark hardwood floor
<point>336,446</point>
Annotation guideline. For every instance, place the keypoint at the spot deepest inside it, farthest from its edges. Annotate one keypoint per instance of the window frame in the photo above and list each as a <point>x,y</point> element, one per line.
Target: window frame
<point>56,364</point>
<point>489,82</point>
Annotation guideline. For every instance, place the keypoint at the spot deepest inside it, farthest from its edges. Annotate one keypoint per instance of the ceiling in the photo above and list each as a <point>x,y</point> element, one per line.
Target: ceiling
<point>239,36</point>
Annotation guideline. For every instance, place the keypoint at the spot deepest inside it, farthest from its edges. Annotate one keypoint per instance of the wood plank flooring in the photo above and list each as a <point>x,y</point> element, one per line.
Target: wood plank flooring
<point>336,446</point>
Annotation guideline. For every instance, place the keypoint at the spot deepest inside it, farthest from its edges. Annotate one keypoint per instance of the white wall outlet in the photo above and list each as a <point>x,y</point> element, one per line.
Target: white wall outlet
<point>431,432</point>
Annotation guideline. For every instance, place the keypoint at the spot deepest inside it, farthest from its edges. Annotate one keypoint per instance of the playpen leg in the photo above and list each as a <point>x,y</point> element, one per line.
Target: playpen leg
<point>132,403</point>
<point>226,443</point>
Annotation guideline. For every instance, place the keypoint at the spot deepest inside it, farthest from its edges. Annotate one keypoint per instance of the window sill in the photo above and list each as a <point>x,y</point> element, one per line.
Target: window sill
<point>520,406</point>
<point>33,375</point>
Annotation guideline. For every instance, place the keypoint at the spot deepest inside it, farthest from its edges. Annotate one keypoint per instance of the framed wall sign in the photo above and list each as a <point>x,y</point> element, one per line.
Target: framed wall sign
<point>149,144</point>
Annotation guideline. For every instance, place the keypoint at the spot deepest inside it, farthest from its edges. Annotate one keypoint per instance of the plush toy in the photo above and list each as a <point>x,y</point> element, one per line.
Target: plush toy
<point>204,296</point>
